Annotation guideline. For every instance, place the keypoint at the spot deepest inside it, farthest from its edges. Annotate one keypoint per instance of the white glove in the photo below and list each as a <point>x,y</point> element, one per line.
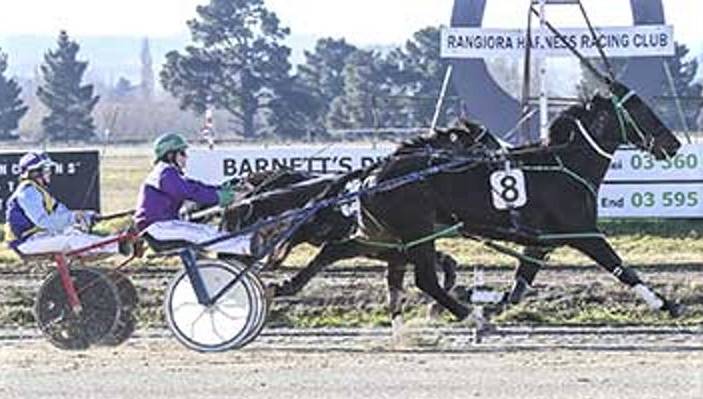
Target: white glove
<point>85,219</point>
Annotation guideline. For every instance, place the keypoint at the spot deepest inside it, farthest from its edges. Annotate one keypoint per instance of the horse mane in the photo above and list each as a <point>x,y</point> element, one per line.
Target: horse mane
<point>430,139</point>
<point>416,143</point>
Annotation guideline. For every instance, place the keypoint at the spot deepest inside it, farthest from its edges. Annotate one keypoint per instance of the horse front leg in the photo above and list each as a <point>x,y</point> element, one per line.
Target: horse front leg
<point>330,253</point>
<point>600,251</point>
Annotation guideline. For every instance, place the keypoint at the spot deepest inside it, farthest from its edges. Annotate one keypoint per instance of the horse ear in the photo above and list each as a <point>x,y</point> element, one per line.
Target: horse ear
<point>464,123</point>
<point>617,89</point>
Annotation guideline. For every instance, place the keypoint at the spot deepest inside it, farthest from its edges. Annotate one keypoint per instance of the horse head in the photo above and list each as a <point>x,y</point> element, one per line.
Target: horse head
<point>640,126</point>
<point>467,134</point>
<point>606,122</point>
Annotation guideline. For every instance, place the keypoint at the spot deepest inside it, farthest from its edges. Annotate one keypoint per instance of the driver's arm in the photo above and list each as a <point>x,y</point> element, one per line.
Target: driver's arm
<point>32,204</point>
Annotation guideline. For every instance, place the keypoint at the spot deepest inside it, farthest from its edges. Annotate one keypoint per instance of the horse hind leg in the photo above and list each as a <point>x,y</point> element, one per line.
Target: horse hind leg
<point>424,258</point>
<point>394,279</point>
<point>329,254</point>
<point>600,251</point>
<point>530,264</point>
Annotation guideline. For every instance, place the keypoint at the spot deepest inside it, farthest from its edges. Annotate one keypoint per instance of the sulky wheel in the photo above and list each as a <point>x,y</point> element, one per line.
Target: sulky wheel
<point>126,323</point>
<point>99,314</point>
<point>127,290</point>
<point>230,323</point>
<point>261,304</point>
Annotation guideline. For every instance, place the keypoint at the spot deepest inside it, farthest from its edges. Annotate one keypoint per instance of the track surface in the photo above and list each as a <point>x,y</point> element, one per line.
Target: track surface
<point>362,363</point>
<point>516,362</point>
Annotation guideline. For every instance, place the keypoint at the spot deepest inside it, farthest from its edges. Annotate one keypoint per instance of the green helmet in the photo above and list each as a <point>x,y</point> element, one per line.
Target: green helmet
<point>169,142</point>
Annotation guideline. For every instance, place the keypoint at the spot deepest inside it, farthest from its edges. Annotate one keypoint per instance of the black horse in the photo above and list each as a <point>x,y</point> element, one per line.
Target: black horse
<point>562,182</point>
<point>272,193</point>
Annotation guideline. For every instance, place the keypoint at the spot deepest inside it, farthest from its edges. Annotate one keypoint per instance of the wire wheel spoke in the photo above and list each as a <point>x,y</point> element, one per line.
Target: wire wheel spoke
<point>238,316</point>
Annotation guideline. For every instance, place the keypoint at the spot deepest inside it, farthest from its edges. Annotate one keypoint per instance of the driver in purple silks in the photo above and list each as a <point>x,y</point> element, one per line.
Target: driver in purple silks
<point>165,190</point>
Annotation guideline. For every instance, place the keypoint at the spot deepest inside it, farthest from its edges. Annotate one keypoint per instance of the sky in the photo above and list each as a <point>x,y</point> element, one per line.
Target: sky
<point>361,22</point>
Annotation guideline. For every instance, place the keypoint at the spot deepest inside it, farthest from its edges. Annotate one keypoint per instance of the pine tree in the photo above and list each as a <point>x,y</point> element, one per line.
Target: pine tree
<point>123,90</point>
<point>365,87</point>
<point>70,104</point>
<point>236,63</point>
<point>12,108</point>
<point>417,72</point>
<point>322,77</point>
<point>147,83</point>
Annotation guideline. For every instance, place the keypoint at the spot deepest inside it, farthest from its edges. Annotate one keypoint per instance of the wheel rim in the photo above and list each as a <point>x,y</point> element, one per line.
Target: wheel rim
<point>221,326</point>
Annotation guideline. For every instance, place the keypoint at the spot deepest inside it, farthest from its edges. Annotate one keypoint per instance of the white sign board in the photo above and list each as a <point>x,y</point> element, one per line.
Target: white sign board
<point>635,186</point>
<point>216,166</point>
<point>633,165</point>
<point>681,200</point>
<point>630,41</point>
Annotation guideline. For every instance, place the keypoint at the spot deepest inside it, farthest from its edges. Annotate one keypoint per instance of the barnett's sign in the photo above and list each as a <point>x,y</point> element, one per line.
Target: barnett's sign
<point>216,166</point>
<point>643,40</point>
<point>75,180</point>
<point>635,186</point>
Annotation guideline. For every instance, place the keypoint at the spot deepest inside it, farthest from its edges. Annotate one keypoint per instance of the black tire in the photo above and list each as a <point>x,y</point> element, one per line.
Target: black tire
<point>127,290</point>
<point>100,309</point>
<point>126,325</point>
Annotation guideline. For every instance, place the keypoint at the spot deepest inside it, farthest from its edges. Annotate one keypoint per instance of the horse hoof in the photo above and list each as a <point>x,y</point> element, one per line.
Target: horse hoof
<point>675,310</point>
<point>434,311</point>
<point>462,293</point>
<point>283,289</point>
<point>497,309</point>
<point>486,328</point>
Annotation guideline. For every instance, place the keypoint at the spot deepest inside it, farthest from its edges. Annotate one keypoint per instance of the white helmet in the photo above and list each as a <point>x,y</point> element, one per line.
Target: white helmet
<point>34,161</point>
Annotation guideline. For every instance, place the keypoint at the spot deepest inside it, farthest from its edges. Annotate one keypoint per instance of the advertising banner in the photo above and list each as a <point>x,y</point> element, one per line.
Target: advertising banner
<point>75,180</point>
<point>640,41</point>
<point>635,186</point>
<point>216,166</point>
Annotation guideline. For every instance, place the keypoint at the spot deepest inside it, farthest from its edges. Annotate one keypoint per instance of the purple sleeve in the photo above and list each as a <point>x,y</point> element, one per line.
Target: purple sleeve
<point>181,188</point>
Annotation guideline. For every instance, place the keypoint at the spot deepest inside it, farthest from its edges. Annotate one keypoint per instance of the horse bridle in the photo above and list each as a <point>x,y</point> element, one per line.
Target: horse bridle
<point>625,118</point>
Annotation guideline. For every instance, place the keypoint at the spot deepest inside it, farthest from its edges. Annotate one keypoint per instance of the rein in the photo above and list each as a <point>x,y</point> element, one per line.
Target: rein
<point>593,143</point>
<point>299,216</point>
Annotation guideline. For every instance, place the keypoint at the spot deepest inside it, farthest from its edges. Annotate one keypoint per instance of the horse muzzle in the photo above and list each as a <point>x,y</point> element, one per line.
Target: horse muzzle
<point>665,149</point>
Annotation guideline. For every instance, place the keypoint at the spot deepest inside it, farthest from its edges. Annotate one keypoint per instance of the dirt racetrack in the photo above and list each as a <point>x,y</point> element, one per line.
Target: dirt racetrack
<point>361,364</point>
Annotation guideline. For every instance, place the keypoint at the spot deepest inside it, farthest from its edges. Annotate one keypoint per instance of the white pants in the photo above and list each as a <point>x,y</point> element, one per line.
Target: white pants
<point>65,241</point>
<point>180,230</point>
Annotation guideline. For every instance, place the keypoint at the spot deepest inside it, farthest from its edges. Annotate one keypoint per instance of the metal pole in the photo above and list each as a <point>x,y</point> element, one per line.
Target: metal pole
<point>543,104</point>
<point>526,77</point>
<point>677,100</point>
<point>442,93</point>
